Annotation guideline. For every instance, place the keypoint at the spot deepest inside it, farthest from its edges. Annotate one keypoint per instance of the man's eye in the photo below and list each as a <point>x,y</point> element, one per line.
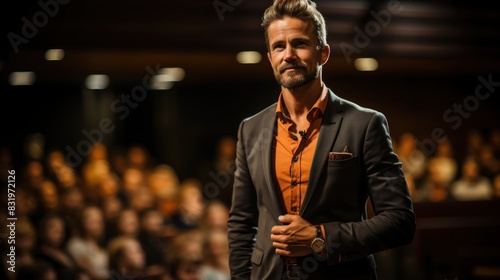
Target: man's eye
<point>279,47</point>
<point>300,44</point>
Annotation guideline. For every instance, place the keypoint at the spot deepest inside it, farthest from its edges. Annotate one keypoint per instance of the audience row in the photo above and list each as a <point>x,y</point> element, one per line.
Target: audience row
<point>119,215</point>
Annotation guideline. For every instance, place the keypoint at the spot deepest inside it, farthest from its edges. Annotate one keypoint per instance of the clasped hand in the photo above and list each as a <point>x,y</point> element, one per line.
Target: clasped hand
<point>294,237</point>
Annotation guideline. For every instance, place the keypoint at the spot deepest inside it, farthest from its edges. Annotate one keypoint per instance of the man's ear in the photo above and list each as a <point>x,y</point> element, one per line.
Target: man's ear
<point>269,56</point>
<point>325,54</point>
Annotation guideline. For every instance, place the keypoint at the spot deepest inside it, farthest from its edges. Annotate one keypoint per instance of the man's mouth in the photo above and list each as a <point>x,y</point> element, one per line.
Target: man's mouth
<point>290,68</point>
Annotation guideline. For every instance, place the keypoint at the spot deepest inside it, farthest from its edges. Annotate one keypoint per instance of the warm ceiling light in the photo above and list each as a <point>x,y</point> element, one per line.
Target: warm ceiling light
<point>162,82</point>
<point>97,81</point>
<point>171,74</point>
<point>54,54</point>
<point>248,57</point>
<point>366,64</point>
<point>22,78</point>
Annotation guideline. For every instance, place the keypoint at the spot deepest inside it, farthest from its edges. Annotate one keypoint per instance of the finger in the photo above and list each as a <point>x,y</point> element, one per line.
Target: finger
<point>279,230</point>
<point>286,219</point>
<point>282,238</point>
<point>283,252</point>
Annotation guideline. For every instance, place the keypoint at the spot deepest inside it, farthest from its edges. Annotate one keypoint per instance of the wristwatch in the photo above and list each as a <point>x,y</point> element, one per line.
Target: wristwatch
<point>318,243</point>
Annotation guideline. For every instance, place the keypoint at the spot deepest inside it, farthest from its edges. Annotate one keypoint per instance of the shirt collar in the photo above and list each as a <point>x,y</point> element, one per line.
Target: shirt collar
<point>314,113</point>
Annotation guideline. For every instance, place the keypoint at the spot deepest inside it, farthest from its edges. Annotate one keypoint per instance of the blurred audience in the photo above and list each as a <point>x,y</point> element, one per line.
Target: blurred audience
<point>121,215</point>
<point>86,245</point>
<point>191,205</point>
<point>151,239</point>
<point>126,256</point>
<point>185,257</point>
<point>474,141</point>
<point>441,172</point>
<point>472,185</point>
<point>215,255</point>
<point>413,159</point>
<point>215,216</point>
<point>50,246</point>
<point>164,184</point>
<point>489,166</point>
<point>25,243</point>
<point>127,223</point>
<point>217,175</point>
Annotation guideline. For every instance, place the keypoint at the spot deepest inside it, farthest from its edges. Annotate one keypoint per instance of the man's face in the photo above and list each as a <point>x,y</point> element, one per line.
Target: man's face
<point>293,52</point>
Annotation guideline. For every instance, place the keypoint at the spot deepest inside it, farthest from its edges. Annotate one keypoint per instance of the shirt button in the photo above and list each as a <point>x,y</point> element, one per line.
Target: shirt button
<point>294,208</point>
<point>295,159</point>
<point>294,183</point>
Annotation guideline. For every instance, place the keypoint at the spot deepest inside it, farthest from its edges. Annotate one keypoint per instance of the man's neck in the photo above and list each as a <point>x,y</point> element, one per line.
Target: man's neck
<point>299,101</point>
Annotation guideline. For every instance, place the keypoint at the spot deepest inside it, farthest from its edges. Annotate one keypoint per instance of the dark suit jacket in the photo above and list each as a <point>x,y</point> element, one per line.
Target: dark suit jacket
<point>336,196</point>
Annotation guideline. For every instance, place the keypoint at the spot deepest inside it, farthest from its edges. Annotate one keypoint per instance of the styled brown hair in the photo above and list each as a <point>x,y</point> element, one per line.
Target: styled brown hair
<point>301,9</point>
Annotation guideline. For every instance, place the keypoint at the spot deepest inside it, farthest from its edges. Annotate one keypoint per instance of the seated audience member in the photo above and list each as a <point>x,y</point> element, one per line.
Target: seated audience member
<point>413,159</point>
<point>132,181</point>
<point>48,196</point>
<point>475,140</point>
<point>435,187</point>
<point>185,256</point>
<point>51,241</point>
<point>126,256</point>
<point>70,205</point>
<point>33,174</point>
<point>127,223</point>
<point>489,166</point>
<point>445,158</point>
<point>111,209</point>
<point>191,206</point>
<point>215,215</point>
<point>164,184</point>
<point>152,240</point>
<point>138,157</point>
<point>142,199</point>
<point>471,185</point>
<point>25,243</point>
<point>215,255</point>
<point>86,246</point>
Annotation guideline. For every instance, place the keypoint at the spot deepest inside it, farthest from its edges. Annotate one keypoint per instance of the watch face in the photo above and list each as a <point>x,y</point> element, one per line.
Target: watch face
<point>318,245</point>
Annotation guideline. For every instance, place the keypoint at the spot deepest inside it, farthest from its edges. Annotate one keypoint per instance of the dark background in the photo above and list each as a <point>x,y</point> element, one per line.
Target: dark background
<point>430,56</point>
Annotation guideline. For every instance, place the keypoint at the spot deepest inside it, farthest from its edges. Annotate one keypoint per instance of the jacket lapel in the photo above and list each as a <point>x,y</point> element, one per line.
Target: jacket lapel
<point>267,140</point>
<point>332,119</point>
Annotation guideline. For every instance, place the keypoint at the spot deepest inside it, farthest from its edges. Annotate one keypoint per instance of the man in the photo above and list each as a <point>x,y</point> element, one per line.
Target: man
<point>306,167</point>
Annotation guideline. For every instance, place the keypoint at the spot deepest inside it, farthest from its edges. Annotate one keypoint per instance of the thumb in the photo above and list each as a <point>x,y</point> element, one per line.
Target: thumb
<point>286,219</point>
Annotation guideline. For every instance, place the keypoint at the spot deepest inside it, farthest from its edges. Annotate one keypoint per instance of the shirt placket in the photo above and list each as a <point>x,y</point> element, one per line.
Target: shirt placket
<point>294,171</point>
<point>297,144</point>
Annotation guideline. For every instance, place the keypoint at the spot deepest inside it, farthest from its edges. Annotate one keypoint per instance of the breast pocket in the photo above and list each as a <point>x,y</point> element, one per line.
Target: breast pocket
<point>343,185</point>
<point>344,173</point>
<point>354,161</point>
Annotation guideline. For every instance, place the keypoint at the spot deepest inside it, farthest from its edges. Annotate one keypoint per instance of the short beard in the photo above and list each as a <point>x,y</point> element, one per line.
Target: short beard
<point>296,80</point>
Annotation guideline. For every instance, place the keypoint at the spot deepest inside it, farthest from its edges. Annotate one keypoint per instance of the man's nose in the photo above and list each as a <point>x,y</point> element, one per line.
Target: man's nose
<point>289,53</point>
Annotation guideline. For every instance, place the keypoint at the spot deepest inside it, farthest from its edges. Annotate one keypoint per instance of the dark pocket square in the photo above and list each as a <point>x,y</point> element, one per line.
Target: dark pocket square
<point>345,154</point>
<point>339,155</point>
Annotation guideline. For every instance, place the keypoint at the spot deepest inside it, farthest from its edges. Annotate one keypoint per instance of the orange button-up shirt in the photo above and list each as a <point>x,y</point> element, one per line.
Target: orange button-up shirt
<point>294,151</point>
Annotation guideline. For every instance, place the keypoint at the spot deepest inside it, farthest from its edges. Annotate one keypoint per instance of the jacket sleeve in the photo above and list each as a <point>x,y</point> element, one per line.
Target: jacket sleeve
<point>243,216</point>
<point>393,224</point>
